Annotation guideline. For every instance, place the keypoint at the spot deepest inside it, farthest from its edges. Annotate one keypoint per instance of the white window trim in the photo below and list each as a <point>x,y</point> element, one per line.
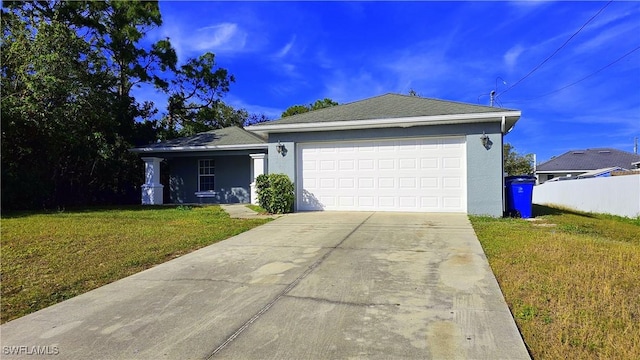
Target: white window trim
<point>206,175</point>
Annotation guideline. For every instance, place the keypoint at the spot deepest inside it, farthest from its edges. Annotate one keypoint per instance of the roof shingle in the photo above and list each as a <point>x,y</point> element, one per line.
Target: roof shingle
<point>388,106</point>
<point>219,137</point>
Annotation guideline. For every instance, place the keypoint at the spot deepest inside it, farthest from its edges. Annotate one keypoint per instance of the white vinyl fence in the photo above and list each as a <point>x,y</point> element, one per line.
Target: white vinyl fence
<point>616,195</point>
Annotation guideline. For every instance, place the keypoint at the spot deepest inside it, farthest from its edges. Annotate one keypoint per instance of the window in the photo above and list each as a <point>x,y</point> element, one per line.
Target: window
<point>206,175</point>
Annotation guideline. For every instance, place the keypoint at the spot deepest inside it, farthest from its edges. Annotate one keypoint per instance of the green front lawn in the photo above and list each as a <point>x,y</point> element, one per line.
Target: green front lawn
<point>571,280</point>
<point>51,257</point>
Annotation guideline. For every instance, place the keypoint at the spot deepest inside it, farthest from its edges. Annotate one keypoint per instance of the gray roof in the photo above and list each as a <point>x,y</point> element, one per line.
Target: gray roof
<point>389,106</point>
<point>220,137</point>
<point>589,159</point>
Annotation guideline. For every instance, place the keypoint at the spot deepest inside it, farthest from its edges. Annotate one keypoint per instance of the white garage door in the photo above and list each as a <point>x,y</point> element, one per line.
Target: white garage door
<point>425,175</point>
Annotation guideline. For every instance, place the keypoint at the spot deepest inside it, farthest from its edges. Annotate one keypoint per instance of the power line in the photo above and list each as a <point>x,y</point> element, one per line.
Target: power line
<point>586,77</point>
<point>557,50</point>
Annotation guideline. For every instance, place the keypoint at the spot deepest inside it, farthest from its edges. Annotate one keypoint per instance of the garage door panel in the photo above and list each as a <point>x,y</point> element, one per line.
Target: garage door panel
<point>328,183</point>
<point>387,202</point>
<point>366,183</point>
<point>451,183</point>
<point>426,174</point>
<point>346,183</point>
<point>451,202</point>
<point>408,201</point>
<point>346,201</point>
<point>429,163</point>
<point>309,165</point>
<point>429,202</point>
<point>346,165</point>
<point>451,163</point>
<point>366,164</point>
<point>407,164</point>
<point>429,182</point>
<point>386,183</point>
<point>386,164</point>
<point>407,183</point>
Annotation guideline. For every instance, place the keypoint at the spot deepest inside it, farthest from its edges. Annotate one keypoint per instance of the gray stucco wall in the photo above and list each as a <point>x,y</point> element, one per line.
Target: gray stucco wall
<point>484,175</point>
<point>283,163</point>
<point>484,167</point>
<point>232,177</point>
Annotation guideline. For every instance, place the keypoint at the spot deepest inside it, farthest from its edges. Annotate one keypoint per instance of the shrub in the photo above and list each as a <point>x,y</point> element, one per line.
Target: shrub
<point>275,193</point>
<point>264,191</point>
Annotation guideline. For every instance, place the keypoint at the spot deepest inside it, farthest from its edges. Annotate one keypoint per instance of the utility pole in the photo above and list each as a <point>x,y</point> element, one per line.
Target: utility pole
<point>492,94</point>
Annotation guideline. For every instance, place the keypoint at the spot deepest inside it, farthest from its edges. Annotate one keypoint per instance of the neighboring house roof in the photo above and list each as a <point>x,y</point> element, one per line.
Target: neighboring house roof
<point>231,138</point>
<point>387,111</point>
<point>589,159</point>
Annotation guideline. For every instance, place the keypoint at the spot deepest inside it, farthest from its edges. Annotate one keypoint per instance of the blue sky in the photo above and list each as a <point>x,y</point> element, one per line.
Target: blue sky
<point>287,53</point>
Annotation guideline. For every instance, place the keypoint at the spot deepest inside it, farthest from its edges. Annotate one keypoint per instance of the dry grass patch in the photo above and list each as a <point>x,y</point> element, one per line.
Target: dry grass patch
<point>51,257</point>
<point>573,288</point>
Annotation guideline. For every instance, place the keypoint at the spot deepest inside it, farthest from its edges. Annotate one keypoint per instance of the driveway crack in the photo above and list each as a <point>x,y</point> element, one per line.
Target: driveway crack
<point>284,292</point>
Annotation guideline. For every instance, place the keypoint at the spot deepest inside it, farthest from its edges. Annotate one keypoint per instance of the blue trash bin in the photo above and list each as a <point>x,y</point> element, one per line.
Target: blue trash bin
<point>519,195</point>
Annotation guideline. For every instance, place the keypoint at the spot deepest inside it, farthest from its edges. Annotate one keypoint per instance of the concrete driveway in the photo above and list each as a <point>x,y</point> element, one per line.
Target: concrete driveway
<point>328,285</point>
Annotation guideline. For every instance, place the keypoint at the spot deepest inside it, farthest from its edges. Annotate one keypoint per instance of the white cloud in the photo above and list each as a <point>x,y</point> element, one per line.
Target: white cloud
<point>285,50</point>
<point>283,63</point>
<point>611,35</point>
<point>511,56</point>
<point>224,37</point>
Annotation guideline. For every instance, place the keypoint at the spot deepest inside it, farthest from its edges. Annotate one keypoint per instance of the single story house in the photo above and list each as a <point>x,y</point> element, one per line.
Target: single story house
<point>580,162</point>
<point>386,153</point>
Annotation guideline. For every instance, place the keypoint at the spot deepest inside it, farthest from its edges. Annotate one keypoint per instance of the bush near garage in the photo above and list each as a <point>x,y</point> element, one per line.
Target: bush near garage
<point>275,193</point>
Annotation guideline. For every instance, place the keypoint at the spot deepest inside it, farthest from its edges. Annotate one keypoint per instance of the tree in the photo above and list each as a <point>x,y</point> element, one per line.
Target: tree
<point>295,110</point>
<point>68,113</point>
<point>324,103</point>
<point>254,119</point>
<point>301,109</point>
<point>414,93</point>
<point>516,164</point>
<point>194,101</point>
<point>55,109</point>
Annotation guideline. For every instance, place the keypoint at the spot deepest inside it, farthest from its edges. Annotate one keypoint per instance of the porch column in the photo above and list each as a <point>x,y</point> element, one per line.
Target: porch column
<point>258,167</point>
<point>152,189</point>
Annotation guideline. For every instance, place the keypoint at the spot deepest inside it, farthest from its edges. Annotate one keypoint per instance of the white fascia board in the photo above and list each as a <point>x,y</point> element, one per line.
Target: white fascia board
<point>199,148</point>
<point>382,123</point>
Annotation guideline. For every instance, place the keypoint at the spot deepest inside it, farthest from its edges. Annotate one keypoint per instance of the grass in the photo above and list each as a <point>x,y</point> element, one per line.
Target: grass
<point>50,257</point>
<point>571,280</point>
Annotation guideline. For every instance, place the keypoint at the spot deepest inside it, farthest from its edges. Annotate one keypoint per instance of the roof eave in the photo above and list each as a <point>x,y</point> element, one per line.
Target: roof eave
<point>148,150</point>
<point>510,116</point>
